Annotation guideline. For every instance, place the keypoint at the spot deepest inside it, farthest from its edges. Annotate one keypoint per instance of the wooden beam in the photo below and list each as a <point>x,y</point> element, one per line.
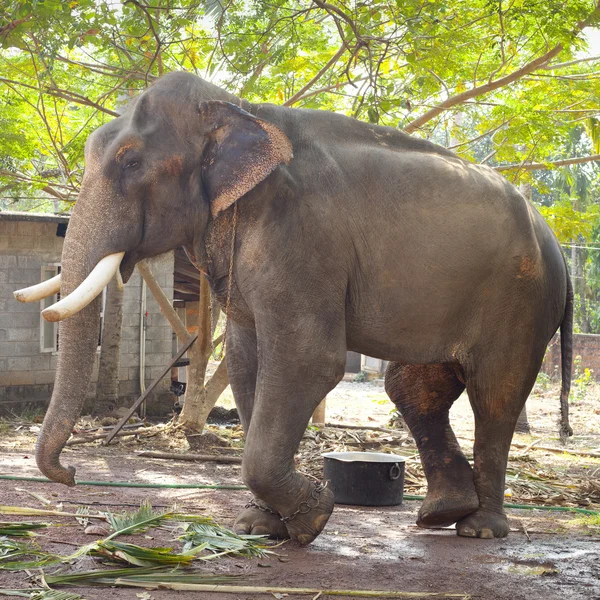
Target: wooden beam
<point>318,417</point>
<point>187,271</point>
<point>186,289</point>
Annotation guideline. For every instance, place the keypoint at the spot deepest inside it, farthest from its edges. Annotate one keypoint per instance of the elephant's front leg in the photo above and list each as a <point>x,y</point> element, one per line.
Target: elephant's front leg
<point>298,364</point>
<point>242,365</point>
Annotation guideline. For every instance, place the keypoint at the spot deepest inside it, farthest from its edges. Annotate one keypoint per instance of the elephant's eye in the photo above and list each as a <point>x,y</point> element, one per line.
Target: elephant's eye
<point>131,164</point>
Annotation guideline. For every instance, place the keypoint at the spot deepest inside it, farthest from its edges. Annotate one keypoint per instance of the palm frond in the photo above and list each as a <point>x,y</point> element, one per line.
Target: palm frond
<point>136,576</point>
<point>20,529</point>
<point>42,512</point>
<point>220,540</point>
<point>140,556</point>
<point>55,595</point>
<point>11,550</point>
<point>137,521</point>
<point>97,576</point>
<point>83,515</point>
<point>36,512</point>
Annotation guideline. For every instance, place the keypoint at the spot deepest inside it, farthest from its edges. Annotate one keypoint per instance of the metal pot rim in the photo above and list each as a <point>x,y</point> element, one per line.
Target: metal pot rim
<point>368,457</point>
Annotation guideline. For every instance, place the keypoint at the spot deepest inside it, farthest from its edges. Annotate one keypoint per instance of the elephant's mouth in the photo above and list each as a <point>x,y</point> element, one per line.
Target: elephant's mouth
<point>128,265</point>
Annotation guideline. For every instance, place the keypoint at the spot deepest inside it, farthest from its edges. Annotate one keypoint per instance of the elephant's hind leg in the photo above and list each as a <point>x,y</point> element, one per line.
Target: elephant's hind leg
<point>424,395</point>
<point>498,389</point>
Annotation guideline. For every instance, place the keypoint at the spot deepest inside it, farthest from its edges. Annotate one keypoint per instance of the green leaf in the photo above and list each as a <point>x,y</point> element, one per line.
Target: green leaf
<point>220,540</point>
<point>21,529</point>
<point>138,521</point>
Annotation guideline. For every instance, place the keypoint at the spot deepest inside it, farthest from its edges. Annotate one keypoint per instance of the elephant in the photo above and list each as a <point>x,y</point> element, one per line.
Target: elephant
<point>319,234</point>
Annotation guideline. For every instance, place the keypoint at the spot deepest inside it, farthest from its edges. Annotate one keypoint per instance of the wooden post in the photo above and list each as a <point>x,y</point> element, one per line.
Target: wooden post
<point>165,306</point>
<point>318,417</point>
<point>195,410</point>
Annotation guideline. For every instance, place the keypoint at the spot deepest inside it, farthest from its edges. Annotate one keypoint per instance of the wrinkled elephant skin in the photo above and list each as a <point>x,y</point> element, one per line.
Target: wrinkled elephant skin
<point>349,236</point>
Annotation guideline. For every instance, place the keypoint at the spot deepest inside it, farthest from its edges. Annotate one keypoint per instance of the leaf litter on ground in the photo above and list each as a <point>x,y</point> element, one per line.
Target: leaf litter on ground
<point>203,538</point>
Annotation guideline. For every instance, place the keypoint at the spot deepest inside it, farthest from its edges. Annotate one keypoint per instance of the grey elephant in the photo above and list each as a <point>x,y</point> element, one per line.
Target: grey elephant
<point>321,234</point>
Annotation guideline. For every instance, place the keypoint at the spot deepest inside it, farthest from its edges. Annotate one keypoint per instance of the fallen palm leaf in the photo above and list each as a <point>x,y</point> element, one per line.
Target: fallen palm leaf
<point>220,540</point>
<point>143,557</point>
<point>40,512</point>
<point>20,529</point>
<point>237,589</point>
<point>95,576</point>
<point>42,594</point>
<point>55,595</point>
<point>35,495</point>
<point>137,575</point>
<point>138,521</point>
<point>11,550</point>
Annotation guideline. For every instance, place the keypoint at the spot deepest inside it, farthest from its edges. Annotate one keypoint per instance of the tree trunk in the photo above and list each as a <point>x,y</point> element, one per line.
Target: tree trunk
<point>107,390</point>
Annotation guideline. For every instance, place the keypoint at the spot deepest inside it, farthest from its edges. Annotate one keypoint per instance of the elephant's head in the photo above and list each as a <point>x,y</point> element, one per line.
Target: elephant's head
<point>154,178</point>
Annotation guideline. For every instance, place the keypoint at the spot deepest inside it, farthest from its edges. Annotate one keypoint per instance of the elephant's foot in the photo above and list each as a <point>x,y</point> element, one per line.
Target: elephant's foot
<point>310,516</point>
<point>448,501</point>
<point>259,519</point>
<point>483,524</point>
<point>442,510</point>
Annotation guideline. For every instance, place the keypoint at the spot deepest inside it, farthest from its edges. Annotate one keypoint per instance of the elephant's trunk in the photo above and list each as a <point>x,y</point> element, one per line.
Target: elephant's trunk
<point>78,342</point>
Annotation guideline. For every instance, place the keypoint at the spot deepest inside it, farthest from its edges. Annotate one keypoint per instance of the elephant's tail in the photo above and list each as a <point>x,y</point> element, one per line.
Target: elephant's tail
<point>566,353</point>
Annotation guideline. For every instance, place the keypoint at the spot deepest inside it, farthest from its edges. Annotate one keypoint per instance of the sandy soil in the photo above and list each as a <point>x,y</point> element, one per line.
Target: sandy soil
<point>361,548</point>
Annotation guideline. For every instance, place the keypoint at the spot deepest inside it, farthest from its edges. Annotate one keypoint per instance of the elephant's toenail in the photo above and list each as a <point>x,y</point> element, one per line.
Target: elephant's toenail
<point>468,532</point>
<point>260,530</point>
<point>486,534</point>
<point>305,538</point>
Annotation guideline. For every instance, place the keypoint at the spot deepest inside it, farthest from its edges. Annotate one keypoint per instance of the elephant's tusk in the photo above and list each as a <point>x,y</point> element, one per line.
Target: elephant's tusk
<point>91,286</point>
<point>39,291</point>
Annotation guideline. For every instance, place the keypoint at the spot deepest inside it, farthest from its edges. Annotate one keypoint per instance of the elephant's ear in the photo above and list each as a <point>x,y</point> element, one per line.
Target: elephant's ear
<point>241,152</point>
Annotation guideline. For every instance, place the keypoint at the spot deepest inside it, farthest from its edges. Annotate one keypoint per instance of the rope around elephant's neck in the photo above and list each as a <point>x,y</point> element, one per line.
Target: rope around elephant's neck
<point>228,301</point>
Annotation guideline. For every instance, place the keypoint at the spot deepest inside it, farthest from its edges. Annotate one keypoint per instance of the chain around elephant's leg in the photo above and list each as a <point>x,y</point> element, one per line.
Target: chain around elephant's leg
<point>289,388</point>
<point>258,518</point>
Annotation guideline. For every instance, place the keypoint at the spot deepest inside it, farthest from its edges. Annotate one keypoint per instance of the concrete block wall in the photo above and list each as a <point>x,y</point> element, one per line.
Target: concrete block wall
<point>26,373</point>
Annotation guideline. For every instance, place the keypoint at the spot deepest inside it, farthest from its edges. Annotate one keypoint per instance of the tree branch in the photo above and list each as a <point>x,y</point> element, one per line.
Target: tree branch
<point>6,29</point>
<point>479,137</point>
<point>298,95</point>
<point>494,85</point>
<point>555,163</point>
<point>64,94</point>
<point>47,188</point>
<point>570,62</point>
<point>332,87</point>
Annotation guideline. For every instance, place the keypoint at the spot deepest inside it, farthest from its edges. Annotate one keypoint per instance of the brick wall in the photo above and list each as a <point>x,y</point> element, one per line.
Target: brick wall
<point>586,346</point>
<point>27,373</point>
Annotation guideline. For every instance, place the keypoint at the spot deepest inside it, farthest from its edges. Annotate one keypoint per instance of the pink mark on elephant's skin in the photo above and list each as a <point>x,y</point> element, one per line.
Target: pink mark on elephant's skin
<point>173,165</point>
<point>528,268</point>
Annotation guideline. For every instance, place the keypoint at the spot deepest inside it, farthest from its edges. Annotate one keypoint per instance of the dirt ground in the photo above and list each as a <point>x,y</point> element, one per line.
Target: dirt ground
<point>547,555</point>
